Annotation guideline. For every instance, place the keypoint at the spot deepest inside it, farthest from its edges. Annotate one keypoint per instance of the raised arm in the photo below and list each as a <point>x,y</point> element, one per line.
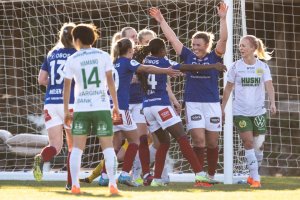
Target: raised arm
<point>271,93</point>
<point>221,44</point>
<point>169,33</point>
<point>150,69</point>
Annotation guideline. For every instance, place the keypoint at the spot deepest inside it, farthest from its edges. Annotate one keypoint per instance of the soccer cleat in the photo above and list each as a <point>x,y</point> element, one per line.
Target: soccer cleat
<point>139,181</point>
<point>203,184</point>
<point>255,184</point>
<point>147,180</point>
<point>158,183</point>
<point>38,167</point>
<point>250,180</point>
<point>212,181</point>
<point>75,190</point>
<point>103,181</point>
<point>201,177</point>
<point>68,186</point>
<point>84,180</point>
<point>126,180</point>
<point>113,190</point>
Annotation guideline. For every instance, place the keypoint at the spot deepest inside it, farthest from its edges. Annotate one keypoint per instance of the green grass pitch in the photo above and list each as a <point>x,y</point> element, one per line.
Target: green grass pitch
<point>273,188</point>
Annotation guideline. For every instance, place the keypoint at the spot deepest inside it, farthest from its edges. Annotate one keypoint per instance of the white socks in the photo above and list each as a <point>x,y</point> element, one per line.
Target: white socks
<point>152,153</point>
<point>258,142</point>
<point>259,156</point>
<point>252,164</point>
<point>75,163</point>
<point>111,165</point>
<point>136,168</point>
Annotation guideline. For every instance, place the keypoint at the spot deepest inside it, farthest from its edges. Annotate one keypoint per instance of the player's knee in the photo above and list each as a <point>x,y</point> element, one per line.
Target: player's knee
<point>248,144</point>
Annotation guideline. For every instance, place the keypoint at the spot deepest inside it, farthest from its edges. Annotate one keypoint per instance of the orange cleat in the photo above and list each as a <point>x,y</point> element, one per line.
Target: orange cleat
<point>113,190</point>
<point>250,180</point>
<point>75,190</point>
<point>202,184</point>
<point>255,184</point>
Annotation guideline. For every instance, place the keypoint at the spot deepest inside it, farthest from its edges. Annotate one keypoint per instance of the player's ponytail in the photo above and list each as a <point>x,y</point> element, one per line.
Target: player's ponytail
<point>257,43</point>
<point>65,35</point>
<point>261,51</point>
<point>120,48</point>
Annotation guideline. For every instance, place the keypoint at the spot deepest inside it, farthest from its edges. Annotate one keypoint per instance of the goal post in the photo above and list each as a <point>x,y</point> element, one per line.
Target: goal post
<point>28,30</point>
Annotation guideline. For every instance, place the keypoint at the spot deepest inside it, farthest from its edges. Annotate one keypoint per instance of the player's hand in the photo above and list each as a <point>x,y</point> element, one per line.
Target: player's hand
<point>222,10</point>
<point>223,115</point>
<point>177,107</point>
<point>173,72</point>
<point>134,79</point>
<point>156,14</point>
<point>220,67</point>
<point>68,119</point>
<point>116,115</point>
<point>273,109</point>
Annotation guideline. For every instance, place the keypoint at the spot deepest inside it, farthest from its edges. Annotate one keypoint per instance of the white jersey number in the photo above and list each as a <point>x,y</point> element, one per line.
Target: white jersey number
<point>61,64</point>
<point>116,78</point>
<point>151,81</point>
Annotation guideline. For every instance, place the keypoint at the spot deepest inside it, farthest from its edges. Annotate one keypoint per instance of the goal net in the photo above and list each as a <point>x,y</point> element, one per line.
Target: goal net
<point>28,30</point>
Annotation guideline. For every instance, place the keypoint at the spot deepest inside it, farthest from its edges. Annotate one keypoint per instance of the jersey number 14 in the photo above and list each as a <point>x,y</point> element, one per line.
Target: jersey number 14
<point>93,78</point>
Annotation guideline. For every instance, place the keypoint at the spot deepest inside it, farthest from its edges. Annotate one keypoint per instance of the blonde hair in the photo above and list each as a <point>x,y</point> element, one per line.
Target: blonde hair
<point>120,48</point>
<point>123,31</point>
<point>206,36</point>
<point>117,36</point>
<point>142,33</point>
<point>257,43</point>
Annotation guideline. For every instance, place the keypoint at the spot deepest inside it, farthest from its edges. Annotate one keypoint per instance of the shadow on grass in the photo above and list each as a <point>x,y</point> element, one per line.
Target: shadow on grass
<point>88,194</point>
<point>268,183</point>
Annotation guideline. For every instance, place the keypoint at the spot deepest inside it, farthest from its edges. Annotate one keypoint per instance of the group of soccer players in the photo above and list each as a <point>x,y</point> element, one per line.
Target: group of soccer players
<point>128,96</point>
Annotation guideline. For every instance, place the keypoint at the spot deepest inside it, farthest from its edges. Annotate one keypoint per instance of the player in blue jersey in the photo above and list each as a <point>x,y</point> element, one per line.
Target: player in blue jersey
<point>159,113</point>
<point>125,68</point>
<point>51,76</point>
<point>203,110</point>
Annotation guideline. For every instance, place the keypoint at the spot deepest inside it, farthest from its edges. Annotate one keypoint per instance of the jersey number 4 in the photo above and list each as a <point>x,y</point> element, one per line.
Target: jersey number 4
<point>151,81</point>
<point>92,79</point>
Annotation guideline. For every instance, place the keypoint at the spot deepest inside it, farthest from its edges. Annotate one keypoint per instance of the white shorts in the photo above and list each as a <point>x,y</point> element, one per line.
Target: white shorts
<point>203,115</point>
<point>136,111</point>
<point>126,124</point>
<point>160,117</point>
<point>54,114</point>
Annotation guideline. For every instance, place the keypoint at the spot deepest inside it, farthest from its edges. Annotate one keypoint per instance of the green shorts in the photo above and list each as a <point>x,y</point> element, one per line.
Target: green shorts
<point>255,124</point>
<point>99,122</point>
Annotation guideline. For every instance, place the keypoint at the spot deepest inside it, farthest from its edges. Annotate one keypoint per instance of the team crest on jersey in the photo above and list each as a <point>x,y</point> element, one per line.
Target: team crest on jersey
<point>134,63</point>
<point>260,121</point>
<point>165,114</point>
<point>259,71</point>
<point>242,124</point>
